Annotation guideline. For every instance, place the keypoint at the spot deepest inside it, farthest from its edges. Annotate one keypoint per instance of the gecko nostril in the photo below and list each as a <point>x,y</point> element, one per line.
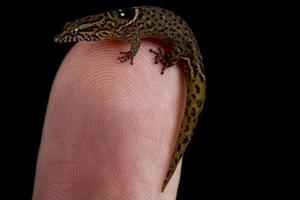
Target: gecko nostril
<point>57,38</point>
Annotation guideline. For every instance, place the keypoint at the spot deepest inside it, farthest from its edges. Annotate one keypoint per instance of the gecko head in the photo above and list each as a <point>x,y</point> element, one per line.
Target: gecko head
<point>89,28</point>
<point>121,21</point>
<point>97,27</point>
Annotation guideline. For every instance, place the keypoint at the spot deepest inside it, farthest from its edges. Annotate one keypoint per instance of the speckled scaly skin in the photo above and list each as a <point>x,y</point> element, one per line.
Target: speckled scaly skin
<point>133,24</point>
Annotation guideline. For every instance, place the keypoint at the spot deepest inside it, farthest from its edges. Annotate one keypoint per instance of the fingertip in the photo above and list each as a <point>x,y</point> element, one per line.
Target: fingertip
<point>105,113</point>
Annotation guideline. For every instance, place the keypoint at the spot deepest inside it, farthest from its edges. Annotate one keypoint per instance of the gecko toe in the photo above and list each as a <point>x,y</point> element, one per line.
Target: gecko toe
<point>126,56</point>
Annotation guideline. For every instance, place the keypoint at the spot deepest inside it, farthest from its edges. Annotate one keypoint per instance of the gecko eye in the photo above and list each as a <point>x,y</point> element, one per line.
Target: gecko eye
<point>74,31</point>
<point>127,13</point>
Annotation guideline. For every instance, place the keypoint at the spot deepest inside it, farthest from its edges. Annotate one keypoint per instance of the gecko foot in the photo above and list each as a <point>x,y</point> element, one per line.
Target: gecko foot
<point>160,57</point>
<point>126,56</point>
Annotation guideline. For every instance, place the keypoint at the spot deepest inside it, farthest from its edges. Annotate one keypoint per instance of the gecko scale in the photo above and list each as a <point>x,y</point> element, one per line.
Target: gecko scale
<point>135,23</point>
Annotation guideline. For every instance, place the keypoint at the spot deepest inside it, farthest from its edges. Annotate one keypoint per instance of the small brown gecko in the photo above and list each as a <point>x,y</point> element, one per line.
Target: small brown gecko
<point>132,25</point>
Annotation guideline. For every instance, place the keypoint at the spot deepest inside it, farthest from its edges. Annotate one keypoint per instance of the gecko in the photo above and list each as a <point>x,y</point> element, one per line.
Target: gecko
<point>136,23</point>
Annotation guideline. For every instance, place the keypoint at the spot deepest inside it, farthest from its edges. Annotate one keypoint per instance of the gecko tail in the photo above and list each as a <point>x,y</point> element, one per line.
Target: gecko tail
<point>168,177</point>
<point>194,104</point>
<point>174,162</point>
<point>164,185</point>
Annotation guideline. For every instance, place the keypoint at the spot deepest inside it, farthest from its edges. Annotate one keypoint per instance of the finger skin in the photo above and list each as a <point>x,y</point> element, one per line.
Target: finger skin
<point>110,126</point>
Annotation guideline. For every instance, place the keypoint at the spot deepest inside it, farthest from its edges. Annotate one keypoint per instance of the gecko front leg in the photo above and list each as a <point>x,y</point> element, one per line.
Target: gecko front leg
<point>134,48</point>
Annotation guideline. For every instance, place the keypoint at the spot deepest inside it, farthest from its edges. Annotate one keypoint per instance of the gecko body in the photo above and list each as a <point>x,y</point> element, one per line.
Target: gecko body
<point>136,23</point>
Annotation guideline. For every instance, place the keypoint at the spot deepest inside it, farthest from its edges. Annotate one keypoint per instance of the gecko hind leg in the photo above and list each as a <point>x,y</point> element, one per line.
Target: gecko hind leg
<point>167,60</point>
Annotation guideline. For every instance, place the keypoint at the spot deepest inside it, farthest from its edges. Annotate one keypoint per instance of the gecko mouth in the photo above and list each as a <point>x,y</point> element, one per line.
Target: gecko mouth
<point>67,38</point>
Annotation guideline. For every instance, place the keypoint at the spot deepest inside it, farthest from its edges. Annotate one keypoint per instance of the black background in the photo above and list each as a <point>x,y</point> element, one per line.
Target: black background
<point>225,158</point>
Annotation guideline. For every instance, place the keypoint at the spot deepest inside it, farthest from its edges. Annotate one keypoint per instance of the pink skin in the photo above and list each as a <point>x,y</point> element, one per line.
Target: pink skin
<point>110,126</point>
